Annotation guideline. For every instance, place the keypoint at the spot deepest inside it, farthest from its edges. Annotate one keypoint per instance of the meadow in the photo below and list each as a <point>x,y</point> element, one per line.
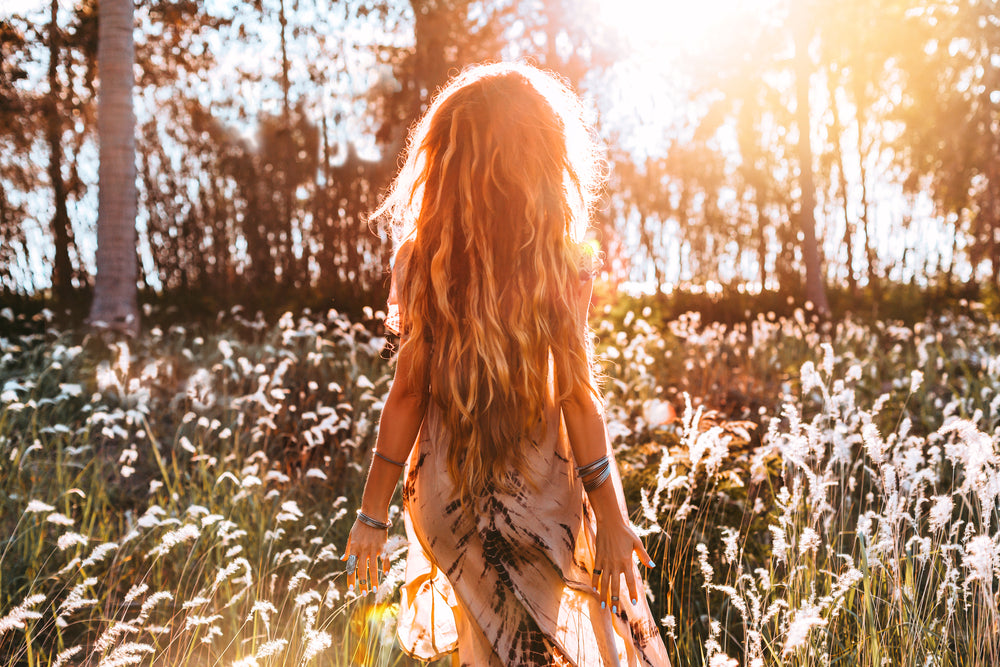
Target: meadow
<point>814,493</point>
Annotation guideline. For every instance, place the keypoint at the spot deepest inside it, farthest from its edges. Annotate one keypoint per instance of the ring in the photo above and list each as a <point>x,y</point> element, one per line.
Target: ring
<point>598,572</point>
<point>614,598</point>
<point>352,562</point>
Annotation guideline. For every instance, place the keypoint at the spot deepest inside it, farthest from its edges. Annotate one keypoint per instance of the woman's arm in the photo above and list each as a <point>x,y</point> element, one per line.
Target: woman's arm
<point>399,424</point>
<point>616,541</point>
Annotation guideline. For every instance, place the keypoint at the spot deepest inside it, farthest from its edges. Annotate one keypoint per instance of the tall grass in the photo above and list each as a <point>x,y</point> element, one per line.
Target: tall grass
<point>182,499</point>
<point>862,531</point>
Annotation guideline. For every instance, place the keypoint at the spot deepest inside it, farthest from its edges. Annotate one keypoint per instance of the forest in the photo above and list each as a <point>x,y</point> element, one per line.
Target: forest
<point>797,319</point>
<point>265,132</point>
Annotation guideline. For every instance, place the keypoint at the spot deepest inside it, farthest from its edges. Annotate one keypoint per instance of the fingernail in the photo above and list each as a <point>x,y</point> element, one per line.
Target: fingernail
<point>614,609</point>
<point>634,601</point>
<point>595,589</point>
<point>652,564</point>
<point>350,589</point>
<point>602,604</point>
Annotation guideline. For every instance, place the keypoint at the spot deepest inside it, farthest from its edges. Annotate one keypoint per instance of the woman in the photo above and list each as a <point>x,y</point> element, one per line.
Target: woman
<point>520,547</point>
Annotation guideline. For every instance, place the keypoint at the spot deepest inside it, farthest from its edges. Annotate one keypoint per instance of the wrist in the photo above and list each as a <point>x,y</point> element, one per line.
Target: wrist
<point>381,515</point>
<point>374,522</point>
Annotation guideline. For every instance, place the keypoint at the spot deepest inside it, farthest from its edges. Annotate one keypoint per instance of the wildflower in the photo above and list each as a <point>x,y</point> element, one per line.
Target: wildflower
<point>195,621</point>
<point>779,545</point>
<point>21,613</point>
<point>810,378</point>
<point>67,540</point>
<point>723,660</point>
<point>940,514</point>
<point>297,580</point>
<point>981,555</point>
<point>130,653</point>
<point>75,600</point>
<point>135,592</point>
<point>271,648</point>
<point>149,603</point>
<point>37,507</point>
<point>803,620</point>
<point>185,533</point>
<point>808,541</point>
<point>59,519</point>
<point>264,609</point>
<point>66,655</point>
<point>316,641</point>
<point>874,444</point>
<point>729,539</point>
<point>289,512</point>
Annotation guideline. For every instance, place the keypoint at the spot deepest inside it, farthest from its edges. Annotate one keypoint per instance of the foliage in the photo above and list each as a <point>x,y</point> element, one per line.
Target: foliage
<point>257,168</point>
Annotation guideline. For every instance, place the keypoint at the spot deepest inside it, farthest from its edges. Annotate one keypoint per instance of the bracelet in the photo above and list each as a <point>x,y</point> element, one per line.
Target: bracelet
<point>598,471</point>
<point>387,459</point>
<point>590,485</point>
<point>374,523</point>
<point>592,467</point>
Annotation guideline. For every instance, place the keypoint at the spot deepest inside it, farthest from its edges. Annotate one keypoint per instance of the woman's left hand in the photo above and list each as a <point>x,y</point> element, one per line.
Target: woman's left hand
<point>616,543</point>
<point>365,545</point>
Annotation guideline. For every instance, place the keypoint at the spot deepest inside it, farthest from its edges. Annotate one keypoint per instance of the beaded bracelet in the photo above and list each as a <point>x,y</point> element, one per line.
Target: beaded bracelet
<point>374,523</point>
<point>387,459</point>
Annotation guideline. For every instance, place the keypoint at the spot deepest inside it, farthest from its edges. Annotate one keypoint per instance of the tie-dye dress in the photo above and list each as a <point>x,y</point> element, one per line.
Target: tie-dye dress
<point>507,582</point>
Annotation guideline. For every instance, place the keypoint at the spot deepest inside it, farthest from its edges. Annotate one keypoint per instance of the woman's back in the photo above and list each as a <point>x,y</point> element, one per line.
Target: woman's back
<point>513,508</point>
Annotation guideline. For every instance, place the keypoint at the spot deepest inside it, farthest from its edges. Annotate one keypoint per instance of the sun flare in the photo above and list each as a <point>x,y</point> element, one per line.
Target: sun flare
<point>677,28</point>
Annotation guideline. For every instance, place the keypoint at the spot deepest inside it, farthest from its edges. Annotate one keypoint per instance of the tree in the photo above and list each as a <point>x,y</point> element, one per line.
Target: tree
<point>62,269</point>
<point>802,34</point>
<point>115,296</point>
<point>951,108</point>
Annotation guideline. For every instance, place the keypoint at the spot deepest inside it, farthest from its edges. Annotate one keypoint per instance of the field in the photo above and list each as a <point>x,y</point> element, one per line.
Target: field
<point>814,494</point>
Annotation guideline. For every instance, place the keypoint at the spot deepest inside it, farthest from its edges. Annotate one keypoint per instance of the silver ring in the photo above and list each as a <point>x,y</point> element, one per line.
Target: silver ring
<point>598,572</point>
<point>352,563</point>
<point>614,598</point>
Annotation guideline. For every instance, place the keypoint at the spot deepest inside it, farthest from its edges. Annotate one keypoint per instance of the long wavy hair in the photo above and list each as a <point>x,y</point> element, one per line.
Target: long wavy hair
<point>493,199</point>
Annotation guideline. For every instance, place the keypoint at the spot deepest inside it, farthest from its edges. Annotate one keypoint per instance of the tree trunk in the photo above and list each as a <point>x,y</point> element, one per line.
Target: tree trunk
<point>815,289</point>
<point>837,131</point>
<point>62,268</point>
<point>115,294</point>
<point>762,224</point>
<point>291,271</point>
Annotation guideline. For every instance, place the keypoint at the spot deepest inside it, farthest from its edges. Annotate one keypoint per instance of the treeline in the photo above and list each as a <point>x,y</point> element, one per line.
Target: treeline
<point>266,131</point>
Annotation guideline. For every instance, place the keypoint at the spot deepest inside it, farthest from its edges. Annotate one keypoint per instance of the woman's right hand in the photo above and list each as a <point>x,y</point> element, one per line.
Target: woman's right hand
<point>616,542</point>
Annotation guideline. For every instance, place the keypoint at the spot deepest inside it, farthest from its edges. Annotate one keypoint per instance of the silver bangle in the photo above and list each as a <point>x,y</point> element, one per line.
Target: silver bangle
<point>602,476</point>
<point>374,523</point>
<point>591,467</point>
<point>387,459</point>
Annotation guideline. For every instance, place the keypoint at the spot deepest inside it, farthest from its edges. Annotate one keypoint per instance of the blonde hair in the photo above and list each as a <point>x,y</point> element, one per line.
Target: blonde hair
<point>494,194</point>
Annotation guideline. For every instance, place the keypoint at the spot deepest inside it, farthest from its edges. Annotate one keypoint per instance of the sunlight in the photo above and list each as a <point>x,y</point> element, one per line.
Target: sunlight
<point>667,30</point>
<point>671,45</point>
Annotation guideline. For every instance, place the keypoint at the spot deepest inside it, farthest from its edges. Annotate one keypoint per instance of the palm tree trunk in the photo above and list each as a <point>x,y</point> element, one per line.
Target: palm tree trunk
<point>115,294</point>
